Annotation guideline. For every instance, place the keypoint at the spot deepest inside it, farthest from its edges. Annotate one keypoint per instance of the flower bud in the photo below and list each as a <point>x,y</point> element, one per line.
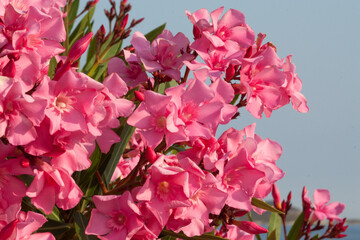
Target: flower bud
<point>150,155</point>
<point>139,96</point>
<point>124,22</point>
<point>276,196</point>
<point>230,71</point>
<point>250,227</point>
<point>79,47</point>
<point>9,70</point>
<point>25,163</point>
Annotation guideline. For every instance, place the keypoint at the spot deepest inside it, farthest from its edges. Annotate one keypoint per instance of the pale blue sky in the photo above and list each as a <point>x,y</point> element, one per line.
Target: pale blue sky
<point>321,148</point>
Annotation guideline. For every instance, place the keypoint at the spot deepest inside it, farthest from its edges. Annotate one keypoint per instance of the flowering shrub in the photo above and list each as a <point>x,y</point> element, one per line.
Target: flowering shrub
<point>124,147</point>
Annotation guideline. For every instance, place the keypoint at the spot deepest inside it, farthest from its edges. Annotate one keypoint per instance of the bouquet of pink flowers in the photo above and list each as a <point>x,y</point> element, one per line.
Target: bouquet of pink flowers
<point>124,147</point>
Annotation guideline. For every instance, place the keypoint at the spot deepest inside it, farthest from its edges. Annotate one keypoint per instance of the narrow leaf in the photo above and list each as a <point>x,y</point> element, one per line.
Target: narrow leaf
<point>73,12</point>
<point>55,215</point>
<point>294,231</point>
<point>79,31</point>
<point>80,225</point>
<point>274,227</point>
<point>118,150</point>
<point>52,67</point>
<point>154,33</point>
<point>263,205</point>
<point>55,227</point>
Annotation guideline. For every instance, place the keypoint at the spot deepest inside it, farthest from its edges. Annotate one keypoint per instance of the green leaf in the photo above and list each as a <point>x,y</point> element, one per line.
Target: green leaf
<point>263,205</point>
<point>118,150</point>
<point>52,67</point>
<point>274,227</point>
<point>54,215</point>
<point>154,33</point>
<point>55,227</point>
<point>91,50</point>
<point>80,225</point>
<point>294,231</point>
<point>73,12</point>
<point>81,28</point>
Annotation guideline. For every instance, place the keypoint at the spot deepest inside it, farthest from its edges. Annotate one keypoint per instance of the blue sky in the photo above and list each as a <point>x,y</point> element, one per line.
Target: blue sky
<point>321,149</point>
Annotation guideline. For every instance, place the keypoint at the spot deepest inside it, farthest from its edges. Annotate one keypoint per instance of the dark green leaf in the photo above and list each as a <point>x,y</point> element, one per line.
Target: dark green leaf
<point>294,231</point>
<point>154,33</point>
<point>81,28</point>
<point>91,50</point>
<point>55,227</point>
<point>72,13</point>
<point>118,150</point>
<point>263,205</point>
<point>80,225</point>
<point>274,227</point>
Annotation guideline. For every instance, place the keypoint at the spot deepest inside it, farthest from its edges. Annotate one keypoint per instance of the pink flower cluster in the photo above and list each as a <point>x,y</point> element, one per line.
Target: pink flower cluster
<point>48,127</point>
<point>174,174</point>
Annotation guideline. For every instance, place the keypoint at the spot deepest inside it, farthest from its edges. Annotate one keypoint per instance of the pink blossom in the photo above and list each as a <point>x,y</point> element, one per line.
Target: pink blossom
<point>166,53</point>
<point>156,116</point>
<point>132,73</point>
<point>323,210</point>
<point>115,217</point>
<point>19,113</point>
<point>51,186</point>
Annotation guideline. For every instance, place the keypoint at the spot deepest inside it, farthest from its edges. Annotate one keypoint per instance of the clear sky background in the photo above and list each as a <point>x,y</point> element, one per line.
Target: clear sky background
<point>321,148</point>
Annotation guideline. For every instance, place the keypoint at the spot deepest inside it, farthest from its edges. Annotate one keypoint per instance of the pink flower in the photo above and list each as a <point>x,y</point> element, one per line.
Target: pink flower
<point>156,116</point>
<point>132,73</point>
<point>166,53</point>
<point>115,217</point>
<point>322,210</point>
<point>51,186</point>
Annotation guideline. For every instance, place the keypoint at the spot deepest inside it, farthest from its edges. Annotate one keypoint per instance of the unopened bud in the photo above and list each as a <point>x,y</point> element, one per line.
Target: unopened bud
<point>10,69</point>
<point>276,196</point>
<point>230,72</point>
<point>61,70</point>
<point>100,34</point>
<point>250,227</point>
<point>283,206</point>
<point>124,22</point>
<point>150,155</point>
<point>288,200</point>
<point>79,47</point>
<point>25,162</point>
<point>139,96</point>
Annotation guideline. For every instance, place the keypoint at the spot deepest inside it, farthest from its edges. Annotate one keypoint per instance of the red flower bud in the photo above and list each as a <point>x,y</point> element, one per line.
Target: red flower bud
<point>230,71</point>
<point>79,47</point>
<point>25,162</point>
<point>9,70</point>
<point>276,195</point>
<point>139,96</point>
<point>150,155</point>
<point>250,227</point>
<point>124,22</point>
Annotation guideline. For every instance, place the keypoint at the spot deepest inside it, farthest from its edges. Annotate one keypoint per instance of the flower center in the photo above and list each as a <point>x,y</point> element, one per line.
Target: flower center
<point>163,189</point>
<point>117,221</point>
<point>63,103</point>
